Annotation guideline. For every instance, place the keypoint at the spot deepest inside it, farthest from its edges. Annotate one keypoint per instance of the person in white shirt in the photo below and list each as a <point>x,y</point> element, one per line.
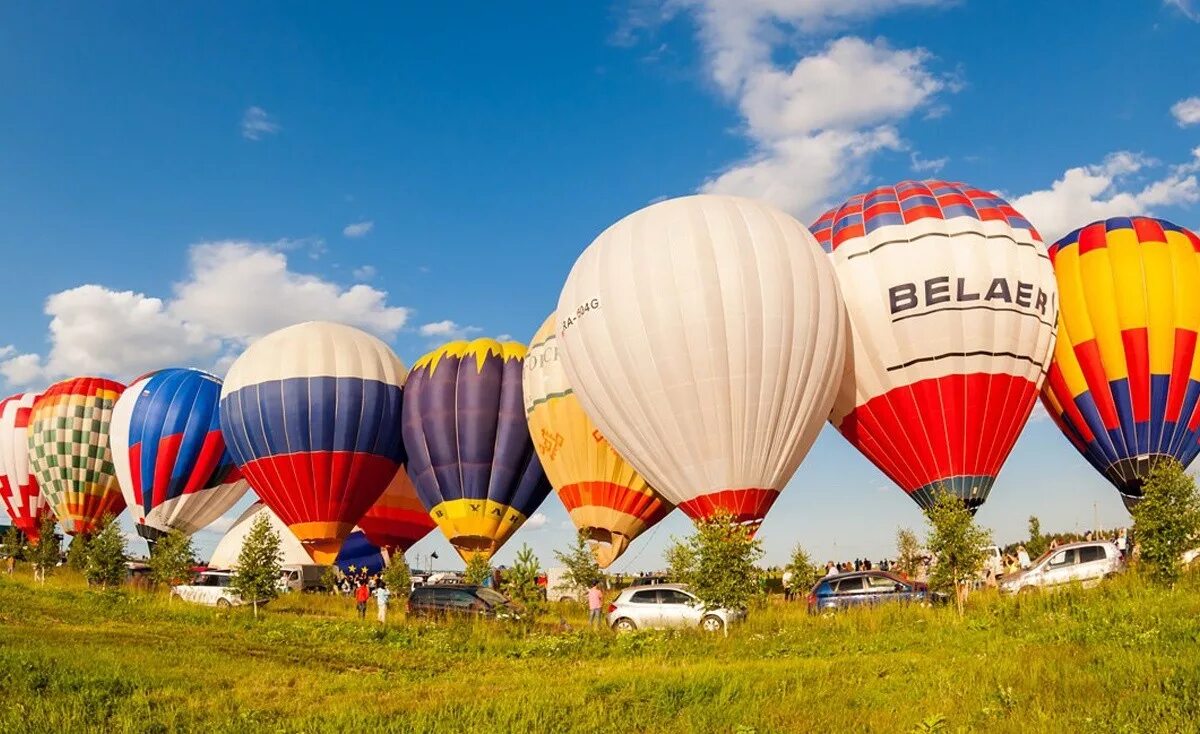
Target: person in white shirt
<point>1023,557</point>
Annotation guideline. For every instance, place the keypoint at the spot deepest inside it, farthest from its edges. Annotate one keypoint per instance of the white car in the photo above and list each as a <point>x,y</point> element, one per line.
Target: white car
<point>1086,563</point>
<point>210,588</point>
<point>665,605</point>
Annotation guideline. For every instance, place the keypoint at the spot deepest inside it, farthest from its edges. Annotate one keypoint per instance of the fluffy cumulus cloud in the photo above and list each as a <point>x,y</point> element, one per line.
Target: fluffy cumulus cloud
<point>235,291</point>
<point>814,124</point>
<point>1186,111</point>
<point>256,124</point>
<point>358,229</point>
<point>1124,183</point>
<point>536,521</point>
<point>448,330</point>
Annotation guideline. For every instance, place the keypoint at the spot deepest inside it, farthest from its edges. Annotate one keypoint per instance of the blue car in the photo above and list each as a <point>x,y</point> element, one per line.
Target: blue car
<point>866,587</point>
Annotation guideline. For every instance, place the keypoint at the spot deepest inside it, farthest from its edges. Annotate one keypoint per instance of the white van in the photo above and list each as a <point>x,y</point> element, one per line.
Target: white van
<point>560,588</point>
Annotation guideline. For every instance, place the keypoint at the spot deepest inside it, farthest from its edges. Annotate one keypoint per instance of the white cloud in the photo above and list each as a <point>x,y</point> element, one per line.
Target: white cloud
<point>814,124</point>
<point>256,123</point>
<point>358,229</point>
<point>235,291</point>
<point>1115,187</point>
<point>1186,111</point>
<point>536,521</point>
<point>922,165</point>
<point>505,338</point>
<point>448,329</point>
<point>366,272</point>
<point>1186,7</point>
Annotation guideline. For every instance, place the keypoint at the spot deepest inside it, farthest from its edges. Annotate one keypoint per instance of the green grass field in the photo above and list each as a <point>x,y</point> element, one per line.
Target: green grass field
<point>1121,658</point>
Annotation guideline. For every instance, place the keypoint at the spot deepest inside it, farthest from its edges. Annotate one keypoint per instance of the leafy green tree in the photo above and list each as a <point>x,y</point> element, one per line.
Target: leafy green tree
<point>172,560</point>
<point>398,577</point>
<point>522,586</point>
<point>581,565</point>
<point>957,544</point>
<point>804,573</point>
<point>681,561</point>
<point>1166,522</point>
<point>721,571</point>
<point>256,578</point>
<point>908,553</point>
<point>1037,543</point>
<point>478,569</point>
<point>45,553</point>
<point>12,547</point>
<point>77,552</point>
<point>106,555</point>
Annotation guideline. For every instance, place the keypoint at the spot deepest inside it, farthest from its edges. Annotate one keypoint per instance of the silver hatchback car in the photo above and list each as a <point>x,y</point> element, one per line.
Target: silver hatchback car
<point>663,606</point>
<point>1086,563</point>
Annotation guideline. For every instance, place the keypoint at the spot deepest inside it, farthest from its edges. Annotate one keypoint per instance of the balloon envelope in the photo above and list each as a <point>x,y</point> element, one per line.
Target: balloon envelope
<point>704,336</point>
<point>356,550</point>
<point>469,453</point>
<point>170,457</point>
<point>69,451</point>
<point>1125,379</point>
<point>18,487</point>
<point>952,307</point>
<point>397,520</point>
<point>606,498</point>
<point>311,415</point>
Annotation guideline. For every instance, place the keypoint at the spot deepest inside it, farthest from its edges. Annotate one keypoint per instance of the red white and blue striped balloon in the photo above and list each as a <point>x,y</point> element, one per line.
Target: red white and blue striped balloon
<point>169,454</point>
<point>311,414</point>
<point>953,307</point>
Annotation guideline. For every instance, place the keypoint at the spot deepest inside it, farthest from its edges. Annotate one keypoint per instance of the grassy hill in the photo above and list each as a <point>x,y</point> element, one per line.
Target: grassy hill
<point>1123,657</point>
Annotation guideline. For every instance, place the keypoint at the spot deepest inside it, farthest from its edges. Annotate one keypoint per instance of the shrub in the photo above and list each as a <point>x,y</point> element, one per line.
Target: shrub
<point>1166,522</point>
<point>257,576</point>
<point>957,544</point>
<point>717,562</point>
<point>105,564</point>
<point>171,560</point>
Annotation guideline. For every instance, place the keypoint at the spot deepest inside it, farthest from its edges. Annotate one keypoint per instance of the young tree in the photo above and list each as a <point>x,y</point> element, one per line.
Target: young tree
<point>522,585</point>
<point>722,572</point>
<point>581,565</point>
<point>1037,542</point>
<point>804,573</point>
<point>256,578</point>
<point>77,553</point>
<point>106,555</point>
<point>11,547</point>
<point>957,544</point>
<point>908,553</point>
<point>478,569</point>
<point>681,561</point>
<point>172,559</point>
<point>398,577</point>
<point>1166,522</point>
<point>45,554</point>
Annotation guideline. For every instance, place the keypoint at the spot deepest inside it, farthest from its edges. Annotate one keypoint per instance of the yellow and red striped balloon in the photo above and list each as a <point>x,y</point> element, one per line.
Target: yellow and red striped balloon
<point>1125,379</point>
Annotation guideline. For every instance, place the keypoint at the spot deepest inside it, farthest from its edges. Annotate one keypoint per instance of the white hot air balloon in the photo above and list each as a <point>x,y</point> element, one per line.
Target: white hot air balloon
<point>705,336</point>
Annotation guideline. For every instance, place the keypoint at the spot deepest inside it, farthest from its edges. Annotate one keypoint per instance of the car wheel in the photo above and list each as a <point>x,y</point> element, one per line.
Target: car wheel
<point>624,624</point>
<point>712,623</point>
<point>223,605</point>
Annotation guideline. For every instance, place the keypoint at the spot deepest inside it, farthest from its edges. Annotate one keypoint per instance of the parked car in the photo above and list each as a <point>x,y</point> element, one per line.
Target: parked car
<point>210,588</point>
<point>661,606</point>
<point>859,588</point>
<point>1087,563</point>
<point>442,600</point>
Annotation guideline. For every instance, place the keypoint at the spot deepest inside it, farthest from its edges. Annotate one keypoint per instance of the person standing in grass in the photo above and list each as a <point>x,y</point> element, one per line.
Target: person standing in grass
<point>1023,557</point>
<point>787,585</point>
<point>361,595</point>
<point>381,600</point>
<point>595,599</point>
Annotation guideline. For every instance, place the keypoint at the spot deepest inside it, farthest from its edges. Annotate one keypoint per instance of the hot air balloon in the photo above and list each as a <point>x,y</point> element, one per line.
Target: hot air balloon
<point>952,308</point>
<point>607,499</point>
<point>356,550</point>
<point>69,451</point>
<point>169,453</point>
<point>705,336</point>
<point>311,414</point>
<point>397,520</point>
<point>1125,379</point>
<point>469,453</point>
<point>18,488</point>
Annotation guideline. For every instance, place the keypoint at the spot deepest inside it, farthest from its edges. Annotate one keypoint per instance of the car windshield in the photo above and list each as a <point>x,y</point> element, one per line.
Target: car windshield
<point>490,596</point>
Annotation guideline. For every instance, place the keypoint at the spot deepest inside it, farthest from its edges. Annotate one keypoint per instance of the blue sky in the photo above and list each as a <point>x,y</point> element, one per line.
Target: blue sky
<point>212,173</point>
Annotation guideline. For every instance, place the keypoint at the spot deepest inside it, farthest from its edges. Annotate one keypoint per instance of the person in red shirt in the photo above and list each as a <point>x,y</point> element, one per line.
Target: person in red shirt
<point>361,595</point>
